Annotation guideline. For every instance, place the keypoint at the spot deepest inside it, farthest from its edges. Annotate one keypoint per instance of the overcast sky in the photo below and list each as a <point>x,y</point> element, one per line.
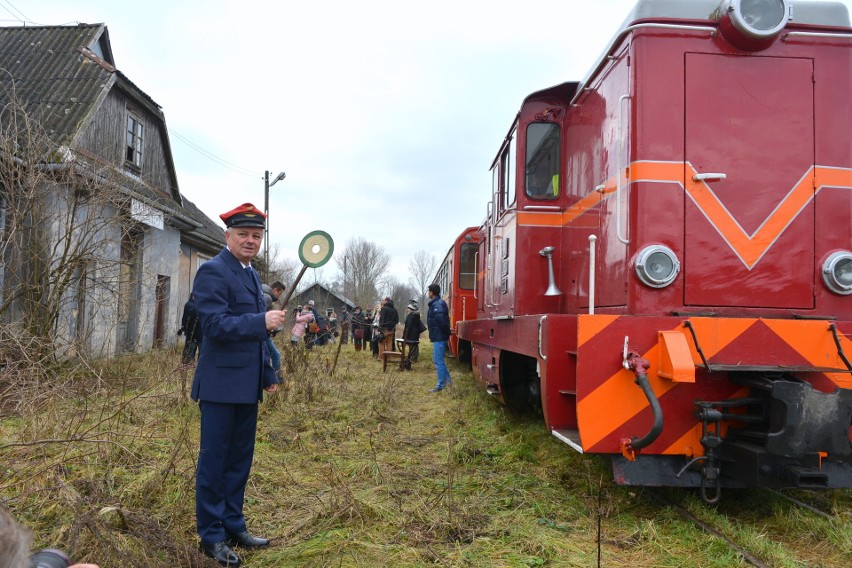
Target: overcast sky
<point>385,115</point>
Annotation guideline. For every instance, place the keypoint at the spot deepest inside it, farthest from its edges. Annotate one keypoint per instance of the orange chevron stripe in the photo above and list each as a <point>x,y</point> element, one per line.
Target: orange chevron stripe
<point>591,325</point>
<point>814,342</point>
<point>714,335</point>
<point>749,248</point>
<point>609,397</point>
<point>810,338</point>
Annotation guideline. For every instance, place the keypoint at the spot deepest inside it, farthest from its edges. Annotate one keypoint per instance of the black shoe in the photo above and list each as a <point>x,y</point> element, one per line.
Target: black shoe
<point>247,540</point>
<point>221,553</point>
<point>437,389</point>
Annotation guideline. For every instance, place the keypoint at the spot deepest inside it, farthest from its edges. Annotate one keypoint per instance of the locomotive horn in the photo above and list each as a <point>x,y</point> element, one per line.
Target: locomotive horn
<point>552,289</point>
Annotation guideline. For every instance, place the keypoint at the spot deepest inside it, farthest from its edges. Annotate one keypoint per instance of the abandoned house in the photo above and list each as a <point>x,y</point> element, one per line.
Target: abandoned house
<point>98,246</point>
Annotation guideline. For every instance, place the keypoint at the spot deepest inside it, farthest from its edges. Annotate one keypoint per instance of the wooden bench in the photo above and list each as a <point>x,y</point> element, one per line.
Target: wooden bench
<point>395,355</point>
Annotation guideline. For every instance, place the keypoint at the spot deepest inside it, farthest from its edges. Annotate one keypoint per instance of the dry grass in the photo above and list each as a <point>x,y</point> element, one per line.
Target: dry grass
<point>353,467</point>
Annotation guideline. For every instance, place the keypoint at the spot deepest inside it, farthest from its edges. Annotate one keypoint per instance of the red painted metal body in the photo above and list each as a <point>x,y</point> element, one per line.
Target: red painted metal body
<point>639,146</point>
<point>457,278</point>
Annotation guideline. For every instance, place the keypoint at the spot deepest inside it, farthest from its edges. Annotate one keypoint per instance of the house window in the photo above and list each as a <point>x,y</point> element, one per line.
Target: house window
<point>133,149</point>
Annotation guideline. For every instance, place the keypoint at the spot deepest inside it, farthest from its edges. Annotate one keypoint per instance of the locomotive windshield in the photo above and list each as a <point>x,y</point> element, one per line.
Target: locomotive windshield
<point>542,160</point>
<point>467,265</point>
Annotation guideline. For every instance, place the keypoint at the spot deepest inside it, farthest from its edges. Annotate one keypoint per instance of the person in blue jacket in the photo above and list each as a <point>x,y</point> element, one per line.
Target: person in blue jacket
<point>438,322</point>
<point>233,370</point>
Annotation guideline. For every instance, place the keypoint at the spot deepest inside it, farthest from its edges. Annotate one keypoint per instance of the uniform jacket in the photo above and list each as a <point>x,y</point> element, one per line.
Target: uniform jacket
<point>234,365</point>
<point>438,320</point>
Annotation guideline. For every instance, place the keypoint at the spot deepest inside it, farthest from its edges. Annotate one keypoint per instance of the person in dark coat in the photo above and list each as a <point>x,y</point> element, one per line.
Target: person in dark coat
<point>438,321</point>
<point>411,332</point>
<point>358,326</point>
<point>233,371</point>
<point>388,320</point>
<point>344,325</point>
<point>190,326</point>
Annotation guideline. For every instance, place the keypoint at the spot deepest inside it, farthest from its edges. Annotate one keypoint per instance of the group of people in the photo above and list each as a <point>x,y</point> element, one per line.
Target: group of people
<point>315,329</point>
<point>377,328</point>
<point>237,365</point>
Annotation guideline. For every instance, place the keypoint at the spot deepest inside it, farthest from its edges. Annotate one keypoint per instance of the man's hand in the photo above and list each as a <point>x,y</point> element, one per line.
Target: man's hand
<point>274,319</point>
<point>271,388</point>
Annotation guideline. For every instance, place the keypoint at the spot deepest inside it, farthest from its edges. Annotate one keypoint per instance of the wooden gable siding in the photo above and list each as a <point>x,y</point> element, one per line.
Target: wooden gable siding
<point>105,137</point>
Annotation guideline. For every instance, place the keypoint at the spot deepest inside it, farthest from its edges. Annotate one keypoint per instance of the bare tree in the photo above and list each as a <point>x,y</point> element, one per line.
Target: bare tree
<point>400,293</point>
<point>68,244</point>
<point>422,269</point>
<point>283,270</point>
<point>362,263</point>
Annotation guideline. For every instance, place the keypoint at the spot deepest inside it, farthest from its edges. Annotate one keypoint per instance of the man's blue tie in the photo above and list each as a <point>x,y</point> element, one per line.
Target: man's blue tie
<point>252,277</point>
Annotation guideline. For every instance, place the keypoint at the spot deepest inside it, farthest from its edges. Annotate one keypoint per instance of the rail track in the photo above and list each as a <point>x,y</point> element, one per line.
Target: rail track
<point>707,527</point>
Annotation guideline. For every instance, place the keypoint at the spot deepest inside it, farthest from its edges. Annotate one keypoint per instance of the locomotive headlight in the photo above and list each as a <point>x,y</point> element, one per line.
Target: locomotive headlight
<point>753,24</point>
<point>837,272</point>
<point>657,266</point>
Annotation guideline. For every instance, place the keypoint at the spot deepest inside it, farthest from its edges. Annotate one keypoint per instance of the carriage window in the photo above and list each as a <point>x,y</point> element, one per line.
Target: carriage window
<point>467,265</point>
<point>542,160</point>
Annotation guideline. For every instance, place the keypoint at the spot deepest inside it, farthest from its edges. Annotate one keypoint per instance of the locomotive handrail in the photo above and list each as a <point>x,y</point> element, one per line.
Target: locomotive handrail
<point>617,39</point>
<point>542,208</point>
<point>816,34</point>
<point>717,176</point>
<point>541,321</point>
<point>833,329</point>
<point>476,276</point>
<point>490,223</point>
<point>618,157</point>
<point>592,239</point>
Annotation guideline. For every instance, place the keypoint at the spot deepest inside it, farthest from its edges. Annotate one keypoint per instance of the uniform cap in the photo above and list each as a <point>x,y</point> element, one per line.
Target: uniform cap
<point>246,215</point>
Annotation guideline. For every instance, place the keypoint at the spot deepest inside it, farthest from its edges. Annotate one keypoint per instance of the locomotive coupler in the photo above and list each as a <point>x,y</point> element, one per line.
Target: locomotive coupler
<point>639,366</point>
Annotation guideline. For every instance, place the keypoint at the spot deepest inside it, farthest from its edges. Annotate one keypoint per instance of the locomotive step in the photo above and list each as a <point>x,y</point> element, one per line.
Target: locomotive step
<point>570,437</point>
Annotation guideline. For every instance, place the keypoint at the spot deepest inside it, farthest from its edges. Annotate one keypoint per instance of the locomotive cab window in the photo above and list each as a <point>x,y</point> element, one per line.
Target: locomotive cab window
<point>507,178</point>
<point>467,265</point>
<point>542,161</point>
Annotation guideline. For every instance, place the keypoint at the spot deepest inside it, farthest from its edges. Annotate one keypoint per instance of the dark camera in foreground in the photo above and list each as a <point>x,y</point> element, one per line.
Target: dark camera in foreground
<point>49,558</point>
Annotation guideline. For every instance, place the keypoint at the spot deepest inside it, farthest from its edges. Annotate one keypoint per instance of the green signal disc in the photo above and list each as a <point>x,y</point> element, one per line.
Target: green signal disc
<point>316,249</point>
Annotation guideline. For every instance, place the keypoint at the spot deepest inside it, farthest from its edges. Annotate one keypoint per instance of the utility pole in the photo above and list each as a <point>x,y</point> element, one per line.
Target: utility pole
<point>266,186</point>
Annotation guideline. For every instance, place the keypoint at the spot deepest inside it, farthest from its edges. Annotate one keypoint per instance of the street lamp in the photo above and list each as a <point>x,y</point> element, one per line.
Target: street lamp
<point>266,185</point>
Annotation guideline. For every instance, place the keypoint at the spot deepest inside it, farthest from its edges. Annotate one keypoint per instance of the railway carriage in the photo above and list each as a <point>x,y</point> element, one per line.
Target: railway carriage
<point>665,268</point>
<point>456,276</point>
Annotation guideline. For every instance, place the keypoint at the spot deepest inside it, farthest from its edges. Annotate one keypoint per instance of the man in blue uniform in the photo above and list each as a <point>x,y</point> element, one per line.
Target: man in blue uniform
<point>233,370</point>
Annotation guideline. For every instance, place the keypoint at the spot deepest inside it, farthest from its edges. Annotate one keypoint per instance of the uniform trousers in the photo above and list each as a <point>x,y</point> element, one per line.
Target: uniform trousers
<point>227,448</point>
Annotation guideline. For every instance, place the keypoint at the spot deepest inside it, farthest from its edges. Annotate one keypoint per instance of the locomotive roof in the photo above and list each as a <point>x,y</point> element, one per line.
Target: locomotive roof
<point>825,13</point>
<point>815,13</point>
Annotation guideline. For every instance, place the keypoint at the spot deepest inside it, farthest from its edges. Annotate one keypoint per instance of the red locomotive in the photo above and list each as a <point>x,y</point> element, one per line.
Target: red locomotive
<point>457,278</point>
<point>681,220</point>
